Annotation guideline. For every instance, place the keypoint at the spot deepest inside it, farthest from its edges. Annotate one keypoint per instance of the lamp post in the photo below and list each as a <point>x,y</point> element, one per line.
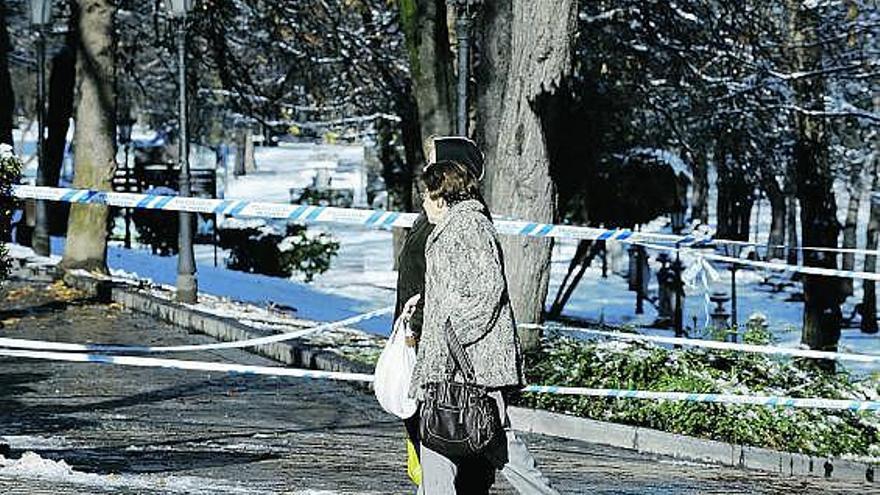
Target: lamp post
<point>41,15</point>
<point>187,286</point>
<point>465,11</point>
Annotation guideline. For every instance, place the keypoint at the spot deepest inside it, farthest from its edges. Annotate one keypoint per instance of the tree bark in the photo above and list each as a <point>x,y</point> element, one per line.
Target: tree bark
<point>493,39</point>
<point>854,188</point>
<point>791,223</point>
<point>427,41</point>
<point>819,228</point>
<point>869,296</point>
<point>778,216</point>
<point>7,96</point>
<point>542,37</point>
<point>700,196</point>
<point>62,80</point>
<point>94,138</point>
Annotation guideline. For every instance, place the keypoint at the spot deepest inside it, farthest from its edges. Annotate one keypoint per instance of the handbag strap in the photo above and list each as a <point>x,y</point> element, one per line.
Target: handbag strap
<point>458,358</point>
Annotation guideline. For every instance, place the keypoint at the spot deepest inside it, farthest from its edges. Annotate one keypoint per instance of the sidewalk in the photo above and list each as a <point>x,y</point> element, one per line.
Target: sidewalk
<point>150,430</point>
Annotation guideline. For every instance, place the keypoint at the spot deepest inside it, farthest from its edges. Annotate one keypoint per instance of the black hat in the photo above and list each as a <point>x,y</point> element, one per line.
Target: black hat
<point>462,150</point>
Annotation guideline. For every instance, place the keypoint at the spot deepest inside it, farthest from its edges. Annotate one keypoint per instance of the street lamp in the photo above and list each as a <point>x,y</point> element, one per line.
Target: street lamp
<point>41,15</point>
<point>187,286</point>
<point>125,126</point>
<point>465,12</point>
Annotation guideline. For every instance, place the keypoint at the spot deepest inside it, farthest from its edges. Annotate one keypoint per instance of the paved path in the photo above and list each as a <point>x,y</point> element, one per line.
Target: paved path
<point>149,431</point>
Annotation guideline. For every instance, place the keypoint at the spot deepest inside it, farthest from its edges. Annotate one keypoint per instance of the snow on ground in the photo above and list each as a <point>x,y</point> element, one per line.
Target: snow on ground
<point>33,466</point>
<point>294,165</point>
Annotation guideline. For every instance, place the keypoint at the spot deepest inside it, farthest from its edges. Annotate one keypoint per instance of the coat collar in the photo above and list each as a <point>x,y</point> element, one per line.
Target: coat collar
<point>453,212</point>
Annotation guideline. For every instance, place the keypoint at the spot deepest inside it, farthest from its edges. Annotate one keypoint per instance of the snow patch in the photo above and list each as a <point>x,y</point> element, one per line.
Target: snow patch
<point>33,466</point>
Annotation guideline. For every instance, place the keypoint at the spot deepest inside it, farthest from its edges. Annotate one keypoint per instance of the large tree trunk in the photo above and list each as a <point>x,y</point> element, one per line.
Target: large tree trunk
<point>869,297</point>
<point>854,189</point>
<point>7,97</point>
<point>777,213</point>
<point>822,316</point>
<point>94,138</point>
<point>542,37</point>
<point>700,196</point>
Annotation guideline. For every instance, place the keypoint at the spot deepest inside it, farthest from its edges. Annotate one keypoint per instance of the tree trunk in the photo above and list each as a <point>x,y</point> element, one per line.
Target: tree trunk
<point>542,37</point>
<point>427,41</point>
<point>61,88</point>
<point>822,316</point>
<point>95,143</point>
<point>849,226</point>
<point>791,209</point>
<point>869,297</point>
<point>492,38</point>
<point>777,214</point>
<point>7,96</point>
<point>241,137</point>
<point>735,198</point>
<point>700,197</point>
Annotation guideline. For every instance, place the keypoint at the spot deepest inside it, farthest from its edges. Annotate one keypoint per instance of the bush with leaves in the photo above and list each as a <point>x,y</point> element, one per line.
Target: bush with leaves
<point>267,250</point>
<point>10,173</point>
<point>638,366</point>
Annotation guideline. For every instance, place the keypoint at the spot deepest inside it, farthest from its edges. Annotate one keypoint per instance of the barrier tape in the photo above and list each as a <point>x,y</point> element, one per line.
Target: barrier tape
<point>712,344</point>
<point>808,270</point>
<point>146,362</point>
<point>767,401</point>
<point>237,344</point>
<point>352,216</point>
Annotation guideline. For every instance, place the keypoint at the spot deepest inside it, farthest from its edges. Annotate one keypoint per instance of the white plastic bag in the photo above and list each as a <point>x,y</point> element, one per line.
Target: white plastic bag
<point>394,372</point>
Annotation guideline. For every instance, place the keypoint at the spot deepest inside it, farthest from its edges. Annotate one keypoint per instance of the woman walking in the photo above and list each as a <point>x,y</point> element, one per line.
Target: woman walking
<point>464,285</point>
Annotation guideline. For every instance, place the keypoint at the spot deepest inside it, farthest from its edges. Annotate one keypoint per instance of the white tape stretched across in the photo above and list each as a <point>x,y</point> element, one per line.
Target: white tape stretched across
<point>378,218</point>
<point>767,401</point>
<point>370,218</point>
<point>712,344</point>
<point>237,344</point>
<point>783,267</point>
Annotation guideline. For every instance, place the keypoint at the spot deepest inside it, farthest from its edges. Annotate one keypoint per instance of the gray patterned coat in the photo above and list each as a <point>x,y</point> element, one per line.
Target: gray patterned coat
<point>464,281</point>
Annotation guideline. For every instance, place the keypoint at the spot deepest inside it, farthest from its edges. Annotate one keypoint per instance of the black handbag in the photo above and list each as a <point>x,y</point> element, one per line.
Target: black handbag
<point>459,419</point>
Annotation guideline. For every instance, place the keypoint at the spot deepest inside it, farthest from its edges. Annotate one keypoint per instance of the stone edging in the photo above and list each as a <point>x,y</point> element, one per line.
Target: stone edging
<point>644,440</point>
<point>655,442</point>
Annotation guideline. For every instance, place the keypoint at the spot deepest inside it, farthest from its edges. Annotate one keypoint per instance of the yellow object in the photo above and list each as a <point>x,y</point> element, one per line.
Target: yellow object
<point>413,466</point>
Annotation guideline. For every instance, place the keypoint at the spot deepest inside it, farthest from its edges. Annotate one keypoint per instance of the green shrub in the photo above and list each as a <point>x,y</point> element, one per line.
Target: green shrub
<point>10,173</point>
<point>637,366</point>
<point>265,250</point>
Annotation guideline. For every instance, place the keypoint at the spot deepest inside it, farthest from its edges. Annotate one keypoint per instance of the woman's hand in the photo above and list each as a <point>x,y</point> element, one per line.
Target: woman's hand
<point>408,309</point>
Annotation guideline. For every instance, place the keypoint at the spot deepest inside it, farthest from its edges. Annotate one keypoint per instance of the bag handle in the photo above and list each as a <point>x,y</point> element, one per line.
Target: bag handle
<point>458,358</point>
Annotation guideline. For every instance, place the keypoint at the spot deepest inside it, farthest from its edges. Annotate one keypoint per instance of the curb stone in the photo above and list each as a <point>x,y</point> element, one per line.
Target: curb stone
<point>655,442</point>
<point>640,439</point>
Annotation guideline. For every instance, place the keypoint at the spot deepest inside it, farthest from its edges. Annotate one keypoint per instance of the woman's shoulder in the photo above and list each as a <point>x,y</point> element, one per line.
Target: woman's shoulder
<point>472,214</point>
